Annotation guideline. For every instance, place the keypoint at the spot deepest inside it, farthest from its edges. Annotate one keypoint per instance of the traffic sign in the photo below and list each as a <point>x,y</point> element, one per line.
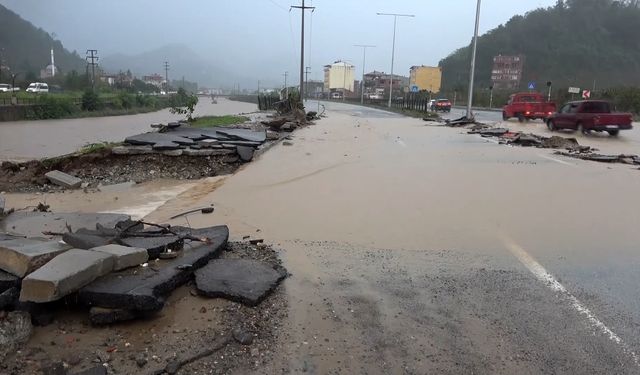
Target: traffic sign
<point>532,85</point>
<point>574,90</point>
<point>415,88</point>
<point>586,94</point>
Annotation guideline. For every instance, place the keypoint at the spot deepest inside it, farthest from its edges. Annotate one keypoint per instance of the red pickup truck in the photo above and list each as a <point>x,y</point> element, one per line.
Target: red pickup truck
<point>528,106</point>
<point>590,115</point>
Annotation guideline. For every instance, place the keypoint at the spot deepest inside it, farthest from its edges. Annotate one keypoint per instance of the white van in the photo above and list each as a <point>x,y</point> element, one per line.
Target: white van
<point>38,87</point>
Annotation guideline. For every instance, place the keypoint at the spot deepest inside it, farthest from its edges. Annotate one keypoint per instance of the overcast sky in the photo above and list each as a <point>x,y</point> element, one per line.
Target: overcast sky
<point>261,38</point>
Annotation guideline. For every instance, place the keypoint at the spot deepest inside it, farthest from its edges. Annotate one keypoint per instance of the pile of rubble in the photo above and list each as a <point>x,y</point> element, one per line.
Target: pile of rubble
<point>116,268</point>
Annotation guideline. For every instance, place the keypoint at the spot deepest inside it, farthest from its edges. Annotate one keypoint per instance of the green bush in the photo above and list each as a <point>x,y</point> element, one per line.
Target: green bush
<point>50,107</point>
<point>91,101</point>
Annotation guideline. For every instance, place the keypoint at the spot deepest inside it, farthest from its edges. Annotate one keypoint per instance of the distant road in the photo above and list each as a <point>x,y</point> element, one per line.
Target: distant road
<point>25,140</point>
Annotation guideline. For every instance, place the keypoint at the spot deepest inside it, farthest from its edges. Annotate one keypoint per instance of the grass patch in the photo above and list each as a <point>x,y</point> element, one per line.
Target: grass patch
<point>213,121</point>
<point>95,147</point>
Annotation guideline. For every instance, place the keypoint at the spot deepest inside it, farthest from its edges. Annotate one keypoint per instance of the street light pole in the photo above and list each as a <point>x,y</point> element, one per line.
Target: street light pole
<point>364,61</point>
<point>473,61</point>
<point>393,48</point>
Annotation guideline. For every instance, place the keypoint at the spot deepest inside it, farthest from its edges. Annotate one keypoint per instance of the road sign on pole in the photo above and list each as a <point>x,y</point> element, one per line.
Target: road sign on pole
<point>532,85</point>
<point>414,88</point>
<point>586,94</point>
<point>574,90</point>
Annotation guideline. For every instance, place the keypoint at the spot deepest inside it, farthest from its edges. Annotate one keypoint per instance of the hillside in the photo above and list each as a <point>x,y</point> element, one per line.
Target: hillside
<point>572,43</point>
<point>26,48</point>
<point>182,60</point>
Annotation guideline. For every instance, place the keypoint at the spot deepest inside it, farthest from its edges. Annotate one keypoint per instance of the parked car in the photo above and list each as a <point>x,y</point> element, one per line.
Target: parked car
<point>5,87</point>
<point>590,115</point>
<point>442,105</point>
<point>38,87</point>
<point>528,106</point>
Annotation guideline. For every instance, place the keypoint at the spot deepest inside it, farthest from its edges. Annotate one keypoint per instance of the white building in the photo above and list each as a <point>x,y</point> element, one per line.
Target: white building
<point>339,76</point>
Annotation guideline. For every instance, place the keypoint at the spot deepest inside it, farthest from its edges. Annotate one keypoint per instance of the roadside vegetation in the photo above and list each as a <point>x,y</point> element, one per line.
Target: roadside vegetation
<point>213,121</point>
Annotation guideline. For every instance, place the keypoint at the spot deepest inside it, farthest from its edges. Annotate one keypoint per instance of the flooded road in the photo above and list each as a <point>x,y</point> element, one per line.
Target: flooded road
<point>25,140</point>
<point>418,249</point>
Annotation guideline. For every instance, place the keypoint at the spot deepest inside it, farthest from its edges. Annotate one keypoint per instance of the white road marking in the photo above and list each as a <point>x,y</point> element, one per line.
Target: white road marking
<point>552,283</point>
<point>557,160</point>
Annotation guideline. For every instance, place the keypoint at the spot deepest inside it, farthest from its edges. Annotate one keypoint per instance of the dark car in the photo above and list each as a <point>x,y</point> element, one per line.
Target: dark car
<point>590,115</point>
<point>441,105</point>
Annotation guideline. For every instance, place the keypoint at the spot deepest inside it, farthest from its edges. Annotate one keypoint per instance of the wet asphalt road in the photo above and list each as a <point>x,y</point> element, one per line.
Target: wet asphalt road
<point>419,249</point>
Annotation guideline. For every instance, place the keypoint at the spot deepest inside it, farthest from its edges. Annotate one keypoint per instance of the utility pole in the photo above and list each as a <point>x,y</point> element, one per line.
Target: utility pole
<point>166,77</point>
<point>286,88</point>
<point>306,81</point>
<point>491,97</point>
<point>473,62</point>
<point>364,62</point>
<point>258,87</point>
<point>92,58</point>
<point>393,49</point>
<point>1,56</point>
<point>302,9</point>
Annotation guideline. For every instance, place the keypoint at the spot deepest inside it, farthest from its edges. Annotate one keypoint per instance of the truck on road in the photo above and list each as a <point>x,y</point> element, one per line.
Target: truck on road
<point>528,106</point>
<point>590,115</point>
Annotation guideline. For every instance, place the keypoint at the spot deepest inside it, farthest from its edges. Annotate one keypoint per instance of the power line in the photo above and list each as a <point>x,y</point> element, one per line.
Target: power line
<point>278,5</point>
<point>92,58</point>
<point>302,9</point>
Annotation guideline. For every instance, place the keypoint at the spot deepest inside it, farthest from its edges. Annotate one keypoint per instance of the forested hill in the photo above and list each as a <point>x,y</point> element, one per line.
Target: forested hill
<point>576,42</point>
<point>26,49</point>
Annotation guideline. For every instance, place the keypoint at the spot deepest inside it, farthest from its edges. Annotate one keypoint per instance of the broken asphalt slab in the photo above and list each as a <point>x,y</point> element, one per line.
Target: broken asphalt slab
<point>23,256</point>
<point>145,289</point>
<point>65,274</point>
<point>245,153</point>
<point>32,224</point>
<point>62,179</point>
<point>240,280</point>
<point>153,138</point>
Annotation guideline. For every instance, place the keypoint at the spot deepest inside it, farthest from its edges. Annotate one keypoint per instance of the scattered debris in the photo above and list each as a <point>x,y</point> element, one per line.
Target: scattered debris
<point>240,280</point>
<point>462,121</point>
<point>624,159</point>
<point>63,179</point>
<point>15,330</point>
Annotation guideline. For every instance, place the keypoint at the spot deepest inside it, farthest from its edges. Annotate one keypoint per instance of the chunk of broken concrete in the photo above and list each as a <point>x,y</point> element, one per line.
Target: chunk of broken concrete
<point>23,256</point>
<point>32,224</point>
<point>15,330</point>
<point>132,150</point>
<point>84,241</point>
<point>144,291</point>
<point>245,153</point>
<point>124,256</point>
<point>65,274</point>
<point>62,179</point>
<point>240,280</point>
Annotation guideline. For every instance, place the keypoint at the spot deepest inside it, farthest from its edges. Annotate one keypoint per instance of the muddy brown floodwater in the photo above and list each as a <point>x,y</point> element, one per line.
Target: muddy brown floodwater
<point>417,249</point>
<point>25,140</point>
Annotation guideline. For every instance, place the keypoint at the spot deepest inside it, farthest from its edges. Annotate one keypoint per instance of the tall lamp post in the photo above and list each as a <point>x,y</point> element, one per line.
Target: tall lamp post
<point>364,61</point>
<point>393,48</point>
<point>473,61</point>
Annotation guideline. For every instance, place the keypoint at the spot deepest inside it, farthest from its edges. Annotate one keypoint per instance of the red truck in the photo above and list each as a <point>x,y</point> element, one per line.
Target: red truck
<point>528,106</point>
<point>590,115</point>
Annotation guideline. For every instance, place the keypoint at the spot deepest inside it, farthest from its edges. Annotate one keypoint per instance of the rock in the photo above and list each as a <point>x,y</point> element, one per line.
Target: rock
<point>124,256</point>
<point>144,291</point>
<point>193,152</point>
<point>104,316</point>
<point>54,368</point>
<point>15,330</point>
<point>32,224</point>
<point>141,360</point>
<point>8,298</point>
<point>96,370</point>
<point>171,152</point>
<point>288,127</point>
<point>287,143</point>
<point>8,281</point>
<point>246,153</point>
<point>132,150</point>
<point>168,255</point>
<point>275,124</point>
<point>271,135</point>
<point>63,179</point>
<point>240,280</point>
<point>65,274</point>
<point>23,256</point>
<point>242,336</point>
